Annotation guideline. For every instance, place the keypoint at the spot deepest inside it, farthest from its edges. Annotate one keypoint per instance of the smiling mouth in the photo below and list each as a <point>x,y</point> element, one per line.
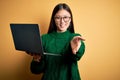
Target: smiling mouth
<point>61,26</point>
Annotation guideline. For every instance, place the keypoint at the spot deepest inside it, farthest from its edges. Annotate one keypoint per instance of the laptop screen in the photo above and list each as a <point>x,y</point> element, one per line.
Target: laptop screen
<point>27,38</point>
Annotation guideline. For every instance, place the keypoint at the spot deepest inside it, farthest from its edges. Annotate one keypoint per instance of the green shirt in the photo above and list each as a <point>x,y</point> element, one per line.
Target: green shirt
<point>59,63</point>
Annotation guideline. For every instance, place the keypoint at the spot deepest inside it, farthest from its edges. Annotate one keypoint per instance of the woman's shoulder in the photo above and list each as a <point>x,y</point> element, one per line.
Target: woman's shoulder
<point>45,36</point>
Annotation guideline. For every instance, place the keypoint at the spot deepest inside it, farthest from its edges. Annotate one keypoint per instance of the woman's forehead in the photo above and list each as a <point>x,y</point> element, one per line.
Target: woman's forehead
<point>62,12</point>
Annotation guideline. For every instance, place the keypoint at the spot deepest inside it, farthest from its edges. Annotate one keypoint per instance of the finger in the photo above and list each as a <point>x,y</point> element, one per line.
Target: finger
<point>36,58</point>
<point>79,38</point>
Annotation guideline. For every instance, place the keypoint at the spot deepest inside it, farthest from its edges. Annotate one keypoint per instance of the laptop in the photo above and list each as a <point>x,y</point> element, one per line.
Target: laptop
<point>27,38</point>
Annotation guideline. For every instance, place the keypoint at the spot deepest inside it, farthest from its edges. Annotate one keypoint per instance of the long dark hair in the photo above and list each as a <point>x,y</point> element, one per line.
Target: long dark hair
<point>52,26</point>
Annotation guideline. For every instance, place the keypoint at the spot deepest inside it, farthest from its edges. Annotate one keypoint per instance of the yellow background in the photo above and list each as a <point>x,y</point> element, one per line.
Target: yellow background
<point>97,20</point>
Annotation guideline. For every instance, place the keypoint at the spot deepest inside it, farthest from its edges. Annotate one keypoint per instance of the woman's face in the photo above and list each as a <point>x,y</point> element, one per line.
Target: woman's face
<point>62,20</point>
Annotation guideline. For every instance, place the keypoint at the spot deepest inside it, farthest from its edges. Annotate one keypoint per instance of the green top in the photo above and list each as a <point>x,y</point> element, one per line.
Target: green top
<point>59,63</point>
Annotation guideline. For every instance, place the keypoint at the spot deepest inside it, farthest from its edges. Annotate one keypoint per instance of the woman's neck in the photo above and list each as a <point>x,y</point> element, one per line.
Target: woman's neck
<point>61,31</point>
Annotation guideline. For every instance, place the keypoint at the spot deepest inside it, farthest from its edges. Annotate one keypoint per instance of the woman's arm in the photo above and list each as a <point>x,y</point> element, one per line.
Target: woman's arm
<point>79,53</point>
<point>37,65</point>
<point>77,47</point>
<point>76,43</point>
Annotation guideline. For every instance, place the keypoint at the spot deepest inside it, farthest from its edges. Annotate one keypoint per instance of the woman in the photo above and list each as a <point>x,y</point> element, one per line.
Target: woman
<point>62,46</point>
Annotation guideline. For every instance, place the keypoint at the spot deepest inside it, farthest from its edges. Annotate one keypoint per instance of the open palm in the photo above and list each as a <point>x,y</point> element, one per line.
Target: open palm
<point>75,43</point>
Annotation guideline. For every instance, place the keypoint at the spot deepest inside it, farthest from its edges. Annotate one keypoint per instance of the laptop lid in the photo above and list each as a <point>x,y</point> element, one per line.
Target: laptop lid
<point>27,38</point>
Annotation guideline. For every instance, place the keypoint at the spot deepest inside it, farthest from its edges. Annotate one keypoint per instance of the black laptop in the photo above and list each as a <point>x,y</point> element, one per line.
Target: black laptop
<point>27,38</point>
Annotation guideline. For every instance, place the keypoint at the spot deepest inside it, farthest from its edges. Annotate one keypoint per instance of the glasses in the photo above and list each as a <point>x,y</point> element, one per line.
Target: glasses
<point>65,18</point>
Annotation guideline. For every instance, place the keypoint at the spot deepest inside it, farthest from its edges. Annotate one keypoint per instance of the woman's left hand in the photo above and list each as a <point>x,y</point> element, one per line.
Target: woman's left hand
<point>76,43</point>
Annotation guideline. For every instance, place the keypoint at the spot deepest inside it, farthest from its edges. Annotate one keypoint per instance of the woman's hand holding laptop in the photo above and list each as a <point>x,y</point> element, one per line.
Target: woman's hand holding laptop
<point>36,57</point>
